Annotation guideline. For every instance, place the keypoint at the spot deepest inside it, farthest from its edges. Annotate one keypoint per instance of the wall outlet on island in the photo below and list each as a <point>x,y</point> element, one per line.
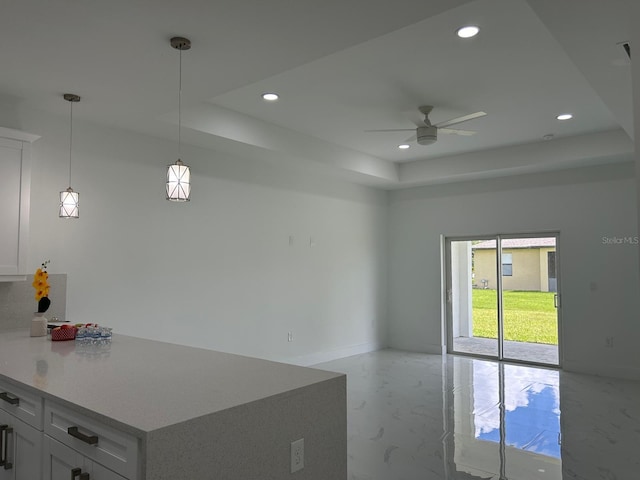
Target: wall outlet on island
<point>297,455</point>
<point>290,337</point>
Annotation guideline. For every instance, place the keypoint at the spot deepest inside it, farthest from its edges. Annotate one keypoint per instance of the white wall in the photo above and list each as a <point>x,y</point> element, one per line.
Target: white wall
<point>583,205</point>
<point>634,28</point>
<point>218,272</point>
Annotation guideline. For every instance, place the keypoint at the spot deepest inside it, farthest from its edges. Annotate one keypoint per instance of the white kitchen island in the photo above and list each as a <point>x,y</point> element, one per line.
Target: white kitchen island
<point>148,410</point>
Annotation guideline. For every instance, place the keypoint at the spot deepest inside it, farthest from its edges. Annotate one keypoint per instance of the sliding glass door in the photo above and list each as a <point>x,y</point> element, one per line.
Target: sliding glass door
<point>502,297</point>
<point>472,299</point>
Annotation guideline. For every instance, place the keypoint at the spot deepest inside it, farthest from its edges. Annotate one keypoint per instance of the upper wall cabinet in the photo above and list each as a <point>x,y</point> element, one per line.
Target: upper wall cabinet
<point>15,180</point>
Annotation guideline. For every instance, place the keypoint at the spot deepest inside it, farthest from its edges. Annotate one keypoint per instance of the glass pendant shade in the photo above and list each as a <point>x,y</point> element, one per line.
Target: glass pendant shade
<point>69,204</point>
<point>178,182</point>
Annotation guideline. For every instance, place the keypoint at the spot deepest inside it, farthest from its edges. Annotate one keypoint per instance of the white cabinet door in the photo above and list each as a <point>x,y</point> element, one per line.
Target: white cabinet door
<point>64,463</point>
<point>15,180</point>
<point>10,173</point>
<point>23,446</point>
<point>60,461</point>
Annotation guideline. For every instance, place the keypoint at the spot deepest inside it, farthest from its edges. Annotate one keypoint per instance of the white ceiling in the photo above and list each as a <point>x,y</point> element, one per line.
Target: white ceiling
<point>341,67</point>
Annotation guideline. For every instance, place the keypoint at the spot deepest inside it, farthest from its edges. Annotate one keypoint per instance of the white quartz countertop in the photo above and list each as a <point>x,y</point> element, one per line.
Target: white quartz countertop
<point>145,385</point>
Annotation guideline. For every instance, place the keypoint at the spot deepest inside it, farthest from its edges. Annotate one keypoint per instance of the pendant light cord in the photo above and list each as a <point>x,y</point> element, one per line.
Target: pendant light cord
<point>70,141</point>
<point>180,106</point>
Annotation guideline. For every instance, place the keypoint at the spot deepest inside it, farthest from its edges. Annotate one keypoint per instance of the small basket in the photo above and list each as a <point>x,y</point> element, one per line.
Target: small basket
<point>63,334</point>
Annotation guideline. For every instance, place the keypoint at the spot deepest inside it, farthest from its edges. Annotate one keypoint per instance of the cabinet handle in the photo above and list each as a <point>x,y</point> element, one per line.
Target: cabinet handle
<point>4,462</point>
<point>2,429</point>
<point>77,472</point>
<point>90,439</point>
<point>9,399</point>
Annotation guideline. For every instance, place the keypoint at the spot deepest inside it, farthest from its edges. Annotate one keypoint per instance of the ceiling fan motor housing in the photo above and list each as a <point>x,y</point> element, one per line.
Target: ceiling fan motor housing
<point>427,135</point>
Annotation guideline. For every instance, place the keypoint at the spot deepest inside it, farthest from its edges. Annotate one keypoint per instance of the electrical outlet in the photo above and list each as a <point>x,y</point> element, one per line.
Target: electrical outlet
<point>290,337</point>
<point>609,342</point>
<point>297,455</point>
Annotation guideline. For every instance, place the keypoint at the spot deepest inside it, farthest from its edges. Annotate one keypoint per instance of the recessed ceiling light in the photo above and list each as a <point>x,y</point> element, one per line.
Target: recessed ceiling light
<point>270,97</point>
<point>548,136</point>
<point>467,31</point>
<point>404,146</point>
<point>565,116</point>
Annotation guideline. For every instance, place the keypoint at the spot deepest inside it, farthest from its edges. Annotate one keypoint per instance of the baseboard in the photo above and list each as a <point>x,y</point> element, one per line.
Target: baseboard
<point>327,356</point>
<point>431,349</point>
<point>614,371</point>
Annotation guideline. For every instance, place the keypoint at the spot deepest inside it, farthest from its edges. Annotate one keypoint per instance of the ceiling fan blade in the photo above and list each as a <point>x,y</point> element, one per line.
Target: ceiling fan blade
<point>392,130</point>
<point>412,138</point>
<point>455,131</point>
<point>455,121</point>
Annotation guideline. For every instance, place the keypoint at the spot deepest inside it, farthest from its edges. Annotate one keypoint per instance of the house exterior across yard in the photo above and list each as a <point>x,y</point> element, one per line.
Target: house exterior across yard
<point>527,264</point>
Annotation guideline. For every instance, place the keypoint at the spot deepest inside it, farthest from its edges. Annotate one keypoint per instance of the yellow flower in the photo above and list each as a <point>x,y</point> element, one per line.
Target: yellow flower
<point>42,292</point>
<point>41,275</point>
<point>40,282</point>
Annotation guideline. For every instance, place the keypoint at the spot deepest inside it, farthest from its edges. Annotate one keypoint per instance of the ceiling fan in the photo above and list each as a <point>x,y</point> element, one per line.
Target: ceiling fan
<point>426,133</point>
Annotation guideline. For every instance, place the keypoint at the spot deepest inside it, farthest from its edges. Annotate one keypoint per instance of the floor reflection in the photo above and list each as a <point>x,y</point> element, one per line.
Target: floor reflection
<point>413,416</point>
<point>506,420</point>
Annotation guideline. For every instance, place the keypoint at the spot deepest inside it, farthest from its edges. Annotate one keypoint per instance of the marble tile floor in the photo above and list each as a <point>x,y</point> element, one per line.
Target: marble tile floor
<point>525,351</point>
<point>418,416</point>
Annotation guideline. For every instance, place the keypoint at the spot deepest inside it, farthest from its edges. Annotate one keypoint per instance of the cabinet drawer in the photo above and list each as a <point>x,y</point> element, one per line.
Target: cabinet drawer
<point>60,462</point>
<point>24,405</point>
<point>112,448</point>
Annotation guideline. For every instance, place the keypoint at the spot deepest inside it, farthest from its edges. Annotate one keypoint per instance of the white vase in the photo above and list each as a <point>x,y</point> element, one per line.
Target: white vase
<point>38,325</point>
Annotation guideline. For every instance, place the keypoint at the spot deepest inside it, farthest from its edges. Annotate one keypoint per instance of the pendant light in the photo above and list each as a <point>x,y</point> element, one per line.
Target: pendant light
<point>178,174</point>
<point>68,198</point>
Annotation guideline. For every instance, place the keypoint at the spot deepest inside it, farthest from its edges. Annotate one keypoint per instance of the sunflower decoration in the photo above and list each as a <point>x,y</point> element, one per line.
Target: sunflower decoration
<point>41,285</point>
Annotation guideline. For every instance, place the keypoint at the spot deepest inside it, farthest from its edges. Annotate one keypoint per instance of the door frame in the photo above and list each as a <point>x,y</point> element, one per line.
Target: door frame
<point>447,304</point>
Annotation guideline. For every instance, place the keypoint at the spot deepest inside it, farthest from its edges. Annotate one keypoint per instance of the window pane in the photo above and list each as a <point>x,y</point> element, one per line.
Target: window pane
<point>507,264</point>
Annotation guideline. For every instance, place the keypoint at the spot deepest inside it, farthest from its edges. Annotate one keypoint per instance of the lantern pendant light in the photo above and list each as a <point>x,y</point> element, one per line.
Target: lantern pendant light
<point>68,198</point>
<point>178,174</point>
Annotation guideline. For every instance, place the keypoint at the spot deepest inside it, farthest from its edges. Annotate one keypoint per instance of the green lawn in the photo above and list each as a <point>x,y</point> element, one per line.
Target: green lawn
<point>528,316</point>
